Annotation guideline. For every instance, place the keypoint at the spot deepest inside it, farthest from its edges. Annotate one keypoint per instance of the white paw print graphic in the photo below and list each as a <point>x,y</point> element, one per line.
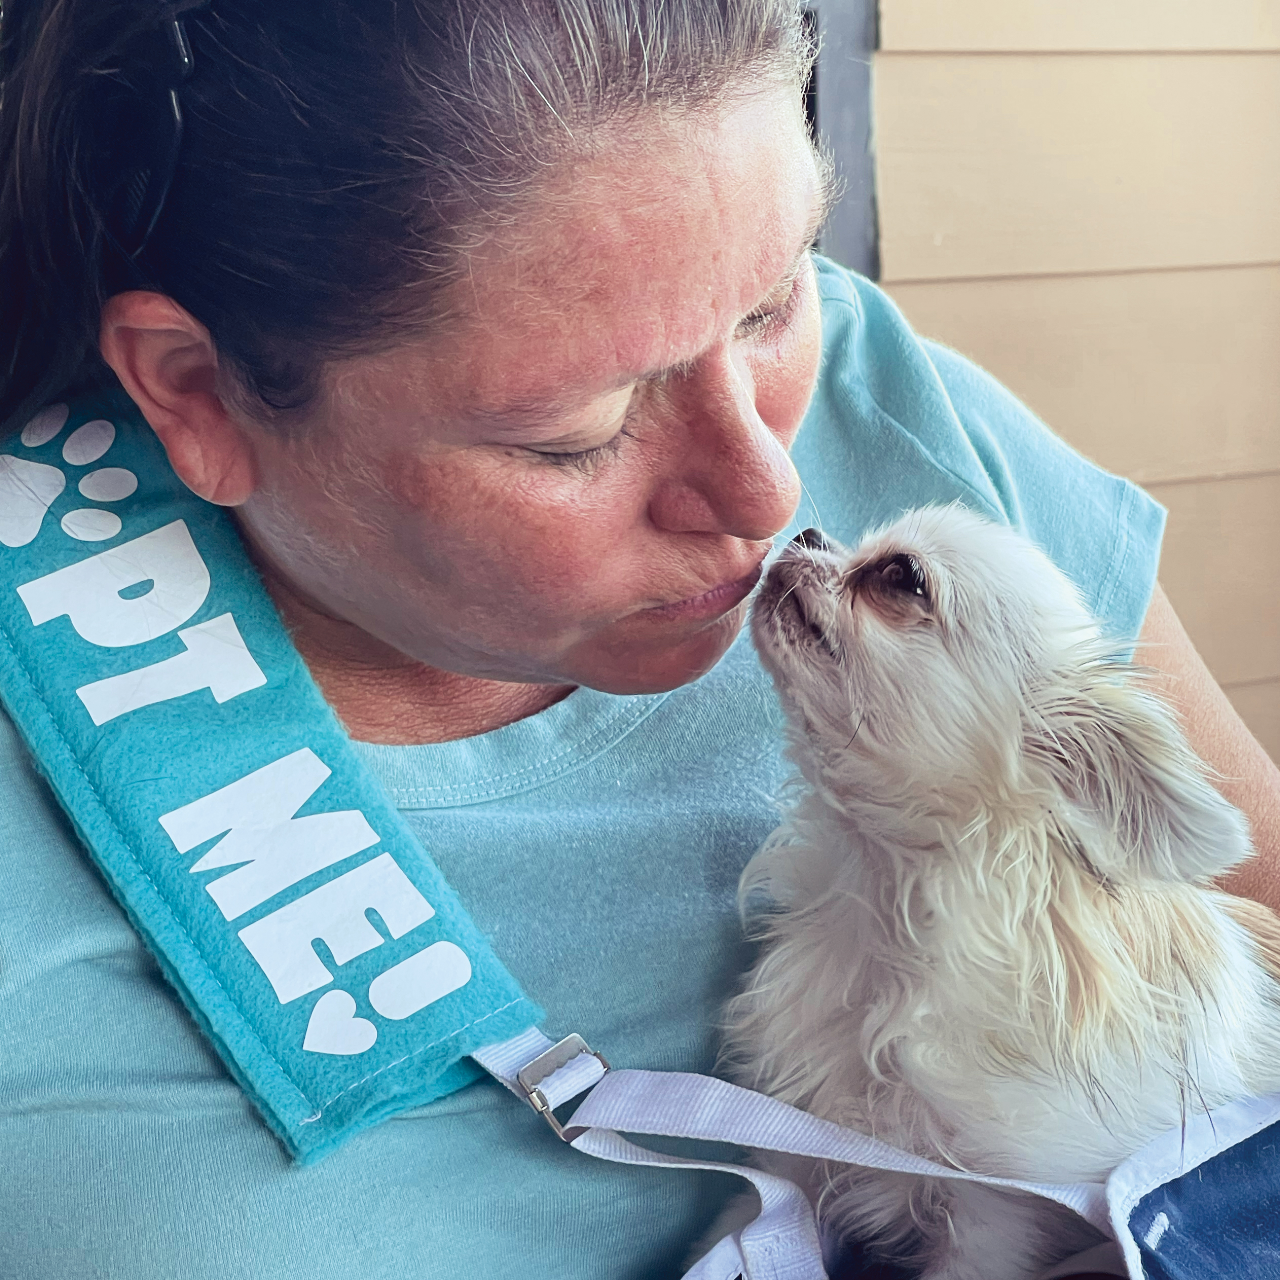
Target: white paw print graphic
<point>29,488</point>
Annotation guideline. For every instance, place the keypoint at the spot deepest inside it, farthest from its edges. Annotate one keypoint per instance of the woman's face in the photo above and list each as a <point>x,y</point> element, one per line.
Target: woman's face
<point>578,481</point>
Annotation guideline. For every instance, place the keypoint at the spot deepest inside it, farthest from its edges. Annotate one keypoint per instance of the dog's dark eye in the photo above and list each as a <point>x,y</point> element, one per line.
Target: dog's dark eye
<point>902,574</point>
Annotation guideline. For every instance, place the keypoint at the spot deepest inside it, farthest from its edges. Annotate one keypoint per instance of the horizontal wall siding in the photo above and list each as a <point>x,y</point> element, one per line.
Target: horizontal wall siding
<point>1221,570</point>
<point>1155,375</point>
<point>1032,164</point>
<point>1068,25</point>
<point>1084,197</point>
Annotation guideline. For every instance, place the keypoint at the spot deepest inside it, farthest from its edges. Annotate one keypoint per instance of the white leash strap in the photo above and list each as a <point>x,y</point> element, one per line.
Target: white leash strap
<point>543,1074</point>
<point>691,1106</point>
<point>782,1242</point>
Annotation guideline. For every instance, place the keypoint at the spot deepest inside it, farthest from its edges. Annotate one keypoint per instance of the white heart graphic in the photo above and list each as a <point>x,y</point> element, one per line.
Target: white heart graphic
<point>334,1027</point>
<point>26,491</point>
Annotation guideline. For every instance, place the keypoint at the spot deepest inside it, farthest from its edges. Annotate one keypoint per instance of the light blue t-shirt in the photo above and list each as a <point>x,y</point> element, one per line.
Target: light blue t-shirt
<point>599,846</point>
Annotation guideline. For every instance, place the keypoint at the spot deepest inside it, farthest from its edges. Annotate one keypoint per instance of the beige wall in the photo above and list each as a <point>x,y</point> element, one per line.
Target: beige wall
<point>1084,196</point>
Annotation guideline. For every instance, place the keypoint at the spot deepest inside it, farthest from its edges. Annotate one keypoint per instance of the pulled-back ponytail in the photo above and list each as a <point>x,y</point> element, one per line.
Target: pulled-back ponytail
<point>73,85</point>
<point>338,159</point>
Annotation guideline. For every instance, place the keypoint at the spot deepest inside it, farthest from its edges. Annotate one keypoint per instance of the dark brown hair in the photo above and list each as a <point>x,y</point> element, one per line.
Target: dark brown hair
<point>336,158</point>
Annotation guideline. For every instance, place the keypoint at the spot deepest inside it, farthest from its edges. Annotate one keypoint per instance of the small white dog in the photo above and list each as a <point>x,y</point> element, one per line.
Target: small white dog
<point>994,942</point>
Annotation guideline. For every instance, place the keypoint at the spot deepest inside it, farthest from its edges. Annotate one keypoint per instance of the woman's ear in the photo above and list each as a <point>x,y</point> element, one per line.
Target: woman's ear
<point>1135,799</point>
<point>167,362</point>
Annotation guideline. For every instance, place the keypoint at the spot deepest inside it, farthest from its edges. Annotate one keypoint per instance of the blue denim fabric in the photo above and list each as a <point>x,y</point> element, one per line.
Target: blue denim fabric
<point>1220,1220</point>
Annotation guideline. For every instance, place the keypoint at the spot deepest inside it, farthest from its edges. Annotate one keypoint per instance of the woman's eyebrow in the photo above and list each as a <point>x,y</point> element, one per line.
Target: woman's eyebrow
<point>827,196</point>
<point>524,415</point>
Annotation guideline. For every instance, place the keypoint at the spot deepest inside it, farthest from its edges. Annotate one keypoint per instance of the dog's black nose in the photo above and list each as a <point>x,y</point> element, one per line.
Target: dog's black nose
<point>811,540</point>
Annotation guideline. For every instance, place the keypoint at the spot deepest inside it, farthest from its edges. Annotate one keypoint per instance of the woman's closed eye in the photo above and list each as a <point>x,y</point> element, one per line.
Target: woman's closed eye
<point>586,459</point>
<point>776,312</point>
<point>771,319</point>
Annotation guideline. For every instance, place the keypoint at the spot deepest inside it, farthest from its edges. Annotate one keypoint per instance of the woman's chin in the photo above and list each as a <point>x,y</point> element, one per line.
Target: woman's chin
<point>649,667</point>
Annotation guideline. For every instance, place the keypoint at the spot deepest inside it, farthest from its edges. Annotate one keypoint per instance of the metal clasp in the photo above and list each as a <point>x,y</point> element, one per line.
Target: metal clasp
<point>532,1074</point>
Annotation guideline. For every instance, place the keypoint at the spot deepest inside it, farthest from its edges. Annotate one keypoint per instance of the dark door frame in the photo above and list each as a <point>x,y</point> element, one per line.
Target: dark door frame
<point>842,106</point>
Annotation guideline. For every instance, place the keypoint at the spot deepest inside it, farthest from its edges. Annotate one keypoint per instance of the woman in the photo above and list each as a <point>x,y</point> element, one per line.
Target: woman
<point>496,327</point>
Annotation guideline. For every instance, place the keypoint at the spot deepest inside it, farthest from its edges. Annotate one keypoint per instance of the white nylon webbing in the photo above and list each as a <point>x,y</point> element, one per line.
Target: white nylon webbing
<point>502,1061</point>
<point>677,1104</point>
<point>782,1242</point>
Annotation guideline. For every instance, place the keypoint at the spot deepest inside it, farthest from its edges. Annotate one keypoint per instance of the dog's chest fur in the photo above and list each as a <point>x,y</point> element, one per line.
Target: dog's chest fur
<point>1004,1013</point>
<point>1001,1009</point>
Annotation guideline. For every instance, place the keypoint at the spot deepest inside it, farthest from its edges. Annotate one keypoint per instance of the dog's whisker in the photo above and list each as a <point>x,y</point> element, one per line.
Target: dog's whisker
<point>787,592</point>
<point>817,521</point>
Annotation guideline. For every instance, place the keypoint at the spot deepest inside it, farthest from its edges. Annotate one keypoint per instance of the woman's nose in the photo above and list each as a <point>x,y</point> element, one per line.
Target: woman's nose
<point>733,475</point>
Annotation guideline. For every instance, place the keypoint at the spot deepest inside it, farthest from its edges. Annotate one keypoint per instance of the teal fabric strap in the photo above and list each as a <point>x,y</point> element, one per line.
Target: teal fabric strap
<point>307,930</point>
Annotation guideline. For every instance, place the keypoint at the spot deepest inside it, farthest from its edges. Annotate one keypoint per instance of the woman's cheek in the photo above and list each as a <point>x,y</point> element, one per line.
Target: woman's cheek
<point>559,540</point>
<point>479,499</point>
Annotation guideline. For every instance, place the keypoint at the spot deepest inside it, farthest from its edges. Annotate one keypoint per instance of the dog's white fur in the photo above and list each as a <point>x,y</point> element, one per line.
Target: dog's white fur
<point>993,941</point>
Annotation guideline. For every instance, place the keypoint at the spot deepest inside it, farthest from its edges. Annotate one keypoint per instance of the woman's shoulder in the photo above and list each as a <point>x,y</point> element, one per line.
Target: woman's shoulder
<point>879,380</point>
<point>884,432</point>
<point>49,892</point>
<point>898,421</point>
<point>30,817</point>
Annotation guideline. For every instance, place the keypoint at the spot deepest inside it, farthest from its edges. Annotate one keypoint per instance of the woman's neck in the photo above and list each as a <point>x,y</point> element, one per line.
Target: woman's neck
<point>380,695</point>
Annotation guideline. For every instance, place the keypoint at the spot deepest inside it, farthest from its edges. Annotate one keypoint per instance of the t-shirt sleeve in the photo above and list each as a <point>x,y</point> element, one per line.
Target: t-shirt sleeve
<point>1103,531</point>
<point>898,421</point>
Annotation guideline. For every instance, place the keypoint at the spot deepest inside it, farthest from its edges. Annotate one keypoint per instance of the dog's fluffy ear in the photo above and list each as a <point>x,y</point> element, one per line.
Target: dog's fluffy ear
<point>1135,800</point>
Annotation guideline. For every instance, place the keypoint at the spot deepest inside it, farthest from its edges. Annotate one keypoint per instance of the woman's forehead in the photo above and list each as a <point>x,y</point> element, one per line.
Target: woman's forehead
<point>651,252</point>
